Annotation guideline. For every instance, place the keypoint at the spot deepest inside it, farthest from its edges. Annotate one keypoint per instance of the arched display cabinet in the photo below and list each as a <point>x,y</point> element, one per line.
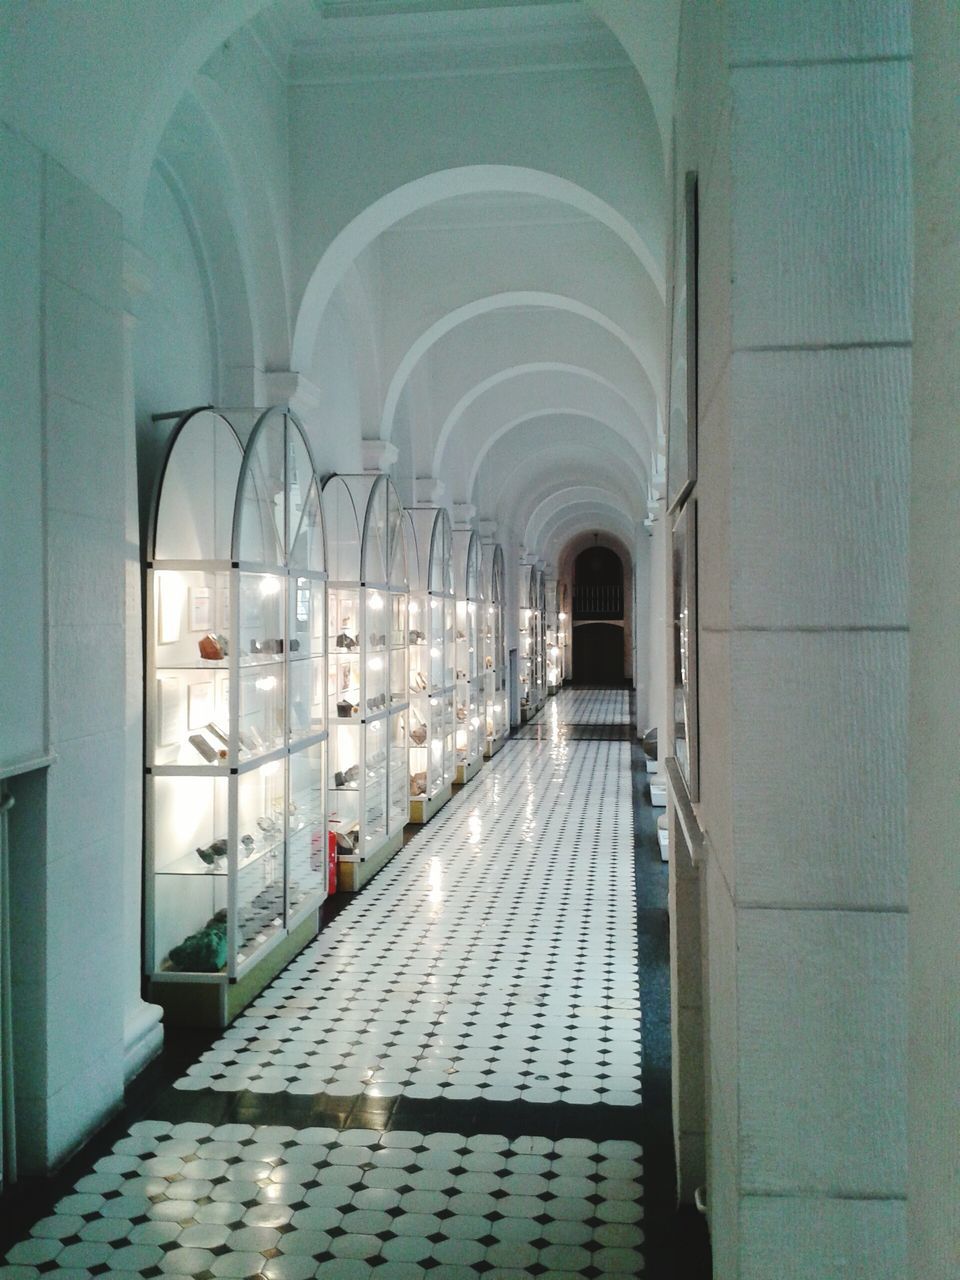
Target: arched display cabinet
<point>529,597</point>
<point>432,635</point>
<point>554,674</point>
<point>235,715</point>
<point>563,632</point>
<point>496,710</point>
<point>368,673</point>
<point>469,735</point>
<point>540,640</point>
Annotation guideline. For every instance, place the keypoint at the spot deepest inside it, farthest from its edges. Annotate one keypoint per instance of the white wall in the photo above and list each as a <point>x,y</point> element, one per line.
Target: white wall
<point>23,690</point>
<point>68,889</point>
<point>175,359</point>
<point>934,1048</point>
<point>797,119</point>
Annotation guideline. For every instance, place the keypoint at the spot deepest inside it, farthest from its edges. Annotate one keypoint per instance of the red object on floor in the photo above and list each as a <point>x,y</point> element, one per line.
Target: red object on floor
<point>332,872</point>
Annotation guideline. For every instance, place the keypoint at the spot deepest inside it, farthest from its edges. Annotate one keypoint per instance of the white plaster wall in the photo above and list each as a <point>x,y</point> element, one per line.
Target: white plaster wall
<point>797,120</point>
<point>934,1045</point>
<point>175,365</point>
<point>69,1013</point>
<point>23,681</point>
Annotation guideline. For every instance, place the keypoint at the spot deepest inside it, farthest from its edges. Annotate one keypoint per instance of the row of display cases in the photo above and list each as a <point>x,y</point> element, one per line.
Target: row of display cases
<point>321,665</point>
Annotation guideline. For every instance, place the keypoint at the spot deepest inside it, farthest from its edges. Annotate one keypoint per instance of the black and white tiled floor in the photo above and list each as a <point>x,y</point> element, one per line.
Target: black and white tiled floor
<point>447,1083</point>
<point>491,959</point>
<point>287,1204</point>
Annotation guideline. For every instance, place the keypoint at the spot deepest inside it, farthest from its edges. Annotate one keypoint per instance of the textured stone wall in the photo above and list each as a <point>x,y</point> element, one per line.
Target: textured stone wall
<point>797,118</point>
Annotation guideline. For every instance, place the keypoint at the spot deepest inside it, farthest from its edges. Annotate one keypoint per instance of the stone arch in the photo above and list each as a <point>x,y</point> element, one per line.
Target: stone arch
<point>256,219</point>
<point>516,475</point>
<point>204,37</point>
<point>562,500</point>
<point>547,412</point>
<point>505,301</point>
<point>444,185</point>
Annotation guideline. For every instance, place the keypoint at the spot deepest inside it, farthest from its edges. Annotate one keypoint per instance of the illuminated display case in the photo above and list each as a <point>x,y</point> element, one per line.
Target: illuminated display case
<point>563,632</point>
<point>235,712</point>
<point>367,689</point>
<point>469,737</point>
<point>529,655</point>
<point>554,673</point>
<point>540,641</point>
<point>432,636</point>
<point>496,711</point>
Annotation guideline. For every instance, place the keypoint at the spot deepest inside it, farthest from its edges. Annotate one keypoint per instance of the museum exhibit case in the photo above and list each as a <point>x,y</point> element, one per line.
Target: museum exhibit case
<point>432,636</point>
<point>469,733</point>
<point>529,635</point>
<point>553,668</point>
<point>367,686</point>
<point>495,706</point>
<point>563,632</point>
<point>236,847</point>
<point>539,688</point>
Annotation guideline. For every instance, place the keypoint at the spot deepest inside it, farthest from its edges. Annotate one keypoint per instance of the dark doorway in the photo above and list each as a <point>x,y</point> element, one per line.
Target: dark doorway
<point>598,635</point>
<point>597,585</point>
<point>597,653</point>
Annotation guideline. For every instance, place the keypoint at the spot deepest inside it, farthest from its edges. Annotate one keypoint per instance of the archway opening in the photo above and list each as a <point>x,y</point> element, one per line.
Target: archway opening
<point>599,656</point>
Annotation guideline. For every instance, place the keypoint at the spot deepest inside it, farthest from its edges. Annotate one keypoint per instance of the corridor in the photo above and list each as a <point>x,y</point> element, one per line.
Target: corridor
<point>449,1082</point>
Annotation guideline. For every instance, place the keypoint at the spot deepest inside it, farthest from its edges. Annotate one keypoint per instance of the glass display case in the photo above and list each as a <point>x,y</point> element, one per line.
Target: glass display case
<point>563,632</point>
<point>540,640</point>
<point>496,711</point>
<point>367,688</point>
<point>529,635</point>
<point>554,675</point>
<point>235,712</point>
<point>469,734</point>
<point>432,637</point>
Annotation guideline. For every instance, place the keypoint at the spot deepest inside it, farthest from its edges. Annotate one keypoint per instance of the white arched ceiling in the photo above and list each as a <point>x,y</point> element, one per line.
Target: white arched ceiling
<point>563,501</point>
<point>478,354</point>
<point>522,394</point>
<point>527,486</point>
<point>511,243</point>
<point>523,472</point>
<point>428,190</point>
<point>517,476</point>
<point>508,302</point>
<point>522,458</point>
<point>105,120</point>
